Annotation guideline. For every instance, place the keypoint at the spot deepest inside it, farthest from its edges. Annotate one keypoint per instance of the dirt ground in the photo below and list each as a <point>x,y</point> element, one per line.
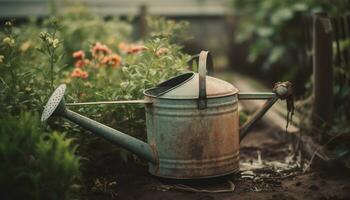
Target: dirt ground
<point>265,173</point>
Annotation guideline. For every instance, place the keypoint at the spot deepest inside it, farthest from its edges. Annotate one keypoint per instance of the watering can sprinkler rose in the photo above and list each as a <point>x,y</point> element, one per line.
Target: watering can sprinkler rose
<point>192,123</point>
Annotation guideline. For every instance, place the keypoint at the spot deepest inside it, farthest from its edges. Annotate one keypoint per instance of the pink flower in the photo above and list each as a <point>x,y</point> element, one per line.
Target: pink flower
<point>113,60</point>
<point>79,73</point>
<point>79,55</point>
<point>100,50</point>
<point>81,63</point>
<point>131,48</point>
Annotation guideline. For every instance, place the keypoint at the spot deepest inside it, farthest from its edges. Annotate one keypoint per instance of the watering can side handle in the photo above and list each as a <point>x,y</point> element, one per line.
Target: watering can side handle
<point>281,90</point>
<point>205,64</point>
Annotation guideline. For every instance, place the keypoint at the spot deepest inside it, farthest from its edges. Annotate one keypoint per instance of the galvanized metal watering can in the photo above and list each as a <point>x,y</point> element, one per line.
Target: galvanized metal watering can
<point>192,123</point>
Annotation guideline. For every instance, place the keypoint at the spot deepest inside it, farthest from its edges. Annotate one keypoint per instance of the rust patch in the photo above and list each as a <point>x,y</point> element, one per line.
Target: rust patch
<point>196,148</point>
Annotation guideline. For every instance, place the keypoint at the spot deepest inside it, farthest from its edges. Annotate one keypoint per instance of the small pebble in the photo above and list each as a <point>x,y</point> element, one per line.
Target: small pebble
<point>298,184</point>
<point>344,187</point>
<point>313,187</point>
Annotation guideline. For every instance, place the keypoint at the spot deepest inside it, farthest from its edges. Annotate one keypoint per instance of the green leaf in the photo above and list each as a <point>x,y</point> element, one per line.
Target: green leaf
<point>281,15</point>
<point>265,31</point>
<point>276,54</point>
<point>300,7</point>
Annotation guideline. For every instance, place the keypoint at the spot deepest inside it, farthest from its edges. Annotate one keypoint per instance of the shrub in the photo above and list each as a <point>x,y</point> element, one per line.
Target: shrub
<point>35,164</point>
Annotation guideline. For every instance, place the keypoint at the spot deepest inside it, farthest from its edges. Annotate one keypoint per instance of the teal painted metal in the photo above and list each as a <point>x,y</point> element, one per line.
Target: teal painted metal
<point>123,140</point>
<point>193,143</point>
<point>255,95</point>
<point>56,106</point>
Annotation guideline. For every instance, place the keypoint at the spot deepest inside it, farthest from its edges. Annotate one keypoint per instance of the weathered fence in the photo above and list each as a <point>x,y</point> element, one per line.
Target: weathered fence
<point>341,28</point>
<point>25,8</point>
<point>331,70</point>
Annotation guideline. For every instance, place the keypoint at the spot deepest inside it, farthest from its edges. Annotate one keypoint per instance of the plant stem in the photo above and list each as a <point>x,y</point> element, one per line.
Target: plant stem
<point>51,63</point>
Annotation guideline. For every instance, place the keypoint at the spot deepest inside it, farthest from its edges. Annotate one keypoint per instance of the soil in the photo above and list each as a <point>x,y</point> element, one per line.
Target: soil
<point>266,172</point>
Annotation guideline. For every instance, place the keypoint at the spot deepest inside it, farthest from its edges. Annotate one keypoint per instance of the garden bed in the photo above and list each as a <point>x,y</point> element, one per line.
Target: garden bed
<point>273,178</point>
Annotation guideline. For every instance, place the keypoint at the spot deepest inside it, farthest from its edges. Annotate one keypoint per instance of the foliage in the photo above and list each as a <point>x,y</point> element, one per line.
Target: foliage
<point>162,28</point>
<point>80,29</point>
<point>97,59</point>
<point>35,164</point>
<point>276,27</point>
<point>50,45</point>
<point>278,36</point>
<point>21,71</point>
<point>123,73</point>
<point>341,89</point>
<point>266,22</point>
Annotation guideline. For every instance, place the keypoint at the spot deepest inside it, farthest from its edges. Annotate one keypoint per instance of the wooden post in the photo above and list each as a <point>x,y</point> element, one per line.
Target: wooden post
<point>322,74</point>
<point>143,21</point>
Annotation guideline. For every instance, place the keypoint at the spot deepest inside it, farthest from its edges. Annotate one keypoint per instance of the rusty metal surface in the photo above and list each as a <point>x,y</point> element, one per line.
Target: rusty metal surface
<point>248,125</point>
<point>190,89</point>
<point>193,143</point>
<point>202,72</point>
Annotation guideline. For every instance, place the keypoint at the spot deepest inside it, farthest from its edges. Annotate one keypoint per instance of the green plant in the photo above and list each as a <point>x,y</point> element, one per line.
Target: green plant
<point>49,48</point>
<point>276,27</point>
<point>35,164</point>
<point>98,60</point>
<point>270,25</point>
<point>19,75</point>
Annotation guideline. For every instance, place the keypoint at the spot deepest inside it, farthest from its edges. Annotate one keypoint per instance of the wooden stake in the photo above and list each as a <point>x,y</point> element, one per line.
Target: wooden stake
<point>322,73</point>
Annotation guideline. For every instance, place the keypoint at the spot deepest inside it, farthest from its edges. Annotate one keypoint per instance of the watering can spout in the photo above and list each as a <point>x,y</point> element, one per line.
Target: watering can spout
<point>56,106</point>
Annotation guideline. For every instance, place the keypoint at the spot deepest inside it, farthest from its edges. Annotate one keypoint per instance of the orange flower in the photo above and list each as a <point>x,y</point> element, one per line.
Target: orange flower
<point>81,63</point>
<point>84,75</point>
<point>79,73</point>
<point>113,60</point>
<point>76,73</point>
<point>100,50</point>
<point>137,48</point>
<point>131,48</point>
<point>79,55</point>
<point>161,51</point>
<point>124,47</point>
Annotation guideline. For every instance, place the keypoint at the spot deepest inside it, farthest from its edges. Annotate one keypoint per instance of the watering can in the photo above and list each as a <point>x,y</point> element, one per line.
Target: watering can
<point>192,123</point>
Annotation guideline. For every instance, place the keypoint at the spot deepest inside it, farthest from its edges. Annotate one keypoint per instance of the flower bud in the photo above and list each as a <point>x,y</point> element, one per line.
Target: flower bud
<point>9,41</point>
<point>42,35</point>
<point>49,40</point>
<point>2,59</point>
<point>8,24</point>
<point>55,43</point>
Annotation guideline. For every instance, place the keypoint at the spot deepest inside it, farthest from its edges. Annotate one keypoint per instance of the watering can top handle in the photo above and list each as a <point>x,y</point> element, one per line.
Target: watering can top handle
<point>205,64</point>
